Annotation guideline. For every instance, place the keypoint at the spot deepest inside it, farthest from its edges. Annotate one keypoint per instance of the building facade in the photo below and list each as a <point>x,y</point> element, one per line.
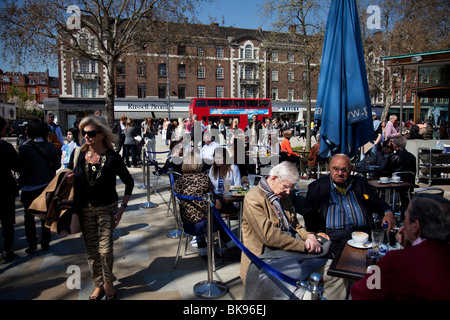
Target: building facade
<point>237,64</point>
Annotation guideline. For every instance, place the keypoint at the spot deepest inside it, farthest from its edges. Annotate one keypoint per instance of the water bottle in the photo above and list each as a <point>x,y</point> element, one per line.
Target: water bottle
<point>384,246</point>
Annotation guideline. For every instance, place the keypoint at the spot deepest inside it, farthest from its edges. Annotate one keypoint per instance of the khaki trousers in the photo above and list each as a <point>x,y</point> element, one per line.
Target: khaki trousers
<point>97,227</point>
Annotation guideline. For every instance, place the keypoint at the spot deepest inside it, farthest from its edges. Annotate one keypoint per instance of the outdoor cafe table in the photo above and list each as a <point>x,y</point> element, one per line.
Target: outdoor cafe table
<point>391,186</point>
<point>230,198</point>
<point>366,170</point>
<point>349,263</point>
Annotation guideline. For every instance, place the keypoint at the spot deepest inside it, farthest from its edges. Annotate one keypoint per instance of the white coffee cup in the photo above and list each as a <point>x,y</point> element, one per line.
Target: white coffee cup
<point>384,179</point>
<point>396,179</point>
<point>360,237</point>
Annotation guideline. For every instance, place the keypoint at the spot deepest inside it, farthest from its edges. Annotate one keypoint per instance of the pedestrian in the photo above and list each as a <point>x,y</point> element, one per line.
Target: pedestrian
<point>40,161</point>
<point>72,142</point>
<point>9,162</point>
<point>129,145</point>
<point>94,178</point>
<point>55,132</point>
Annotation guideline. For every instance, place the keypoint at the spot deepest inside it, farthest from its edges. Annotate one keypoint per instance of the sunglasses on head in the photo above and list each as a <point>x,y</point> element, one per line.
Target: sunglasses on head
<point>90,134</point>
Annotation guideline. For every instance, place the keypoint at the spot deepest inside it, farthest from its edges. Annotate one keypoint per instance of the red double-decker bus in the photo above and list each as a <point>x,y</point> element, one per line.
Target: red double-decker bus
<point>215,109</point>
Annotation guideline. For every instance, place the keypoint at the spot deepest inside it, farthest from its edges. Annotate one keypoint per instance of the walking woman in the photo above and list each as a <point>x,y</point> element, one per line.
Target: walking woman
<point>95,193</point>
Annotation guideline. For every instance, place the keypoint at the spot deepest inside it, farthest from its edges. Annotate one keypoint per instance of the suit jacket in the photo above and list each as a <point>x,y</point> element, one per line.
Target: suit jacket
<point>261,227</point>
<point>417,272</point>
<point>317,200</point>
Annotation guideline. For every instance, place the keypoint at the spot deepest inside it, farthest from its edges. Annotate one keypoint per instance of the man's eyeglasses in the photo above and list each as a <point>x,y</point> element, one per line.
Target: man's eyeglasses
<point>343,170</point>
<point>90,134</point>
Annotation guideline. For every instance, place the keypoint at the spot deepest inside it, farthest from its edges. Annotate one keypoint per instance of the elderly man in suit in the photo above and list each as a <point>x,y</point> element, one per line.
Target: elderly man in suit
<point>269,220</point>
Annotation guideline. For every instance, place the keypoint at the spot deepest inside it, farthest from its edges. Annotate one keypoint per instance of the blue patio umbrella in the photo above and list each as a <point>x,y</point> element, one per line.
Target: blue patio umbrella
<point>343,102</point>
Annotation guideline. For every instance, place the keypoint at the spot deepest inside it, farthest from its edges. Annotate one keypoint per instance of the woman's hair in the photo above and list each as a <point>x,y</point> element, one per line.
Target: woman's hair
<point>225,167</point>
<point>75,134</point>
<point>2,123</point>
<point>130,123</point>
<point>109,137</point>
<point>433,214</point>
<point>193,164</point>
<point>285,171</point>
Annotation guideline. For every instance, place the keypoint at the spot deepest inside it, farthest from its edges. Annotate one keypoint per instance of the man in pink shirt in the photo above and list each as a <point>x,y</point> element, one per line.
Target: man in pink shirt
<point>390,131</point>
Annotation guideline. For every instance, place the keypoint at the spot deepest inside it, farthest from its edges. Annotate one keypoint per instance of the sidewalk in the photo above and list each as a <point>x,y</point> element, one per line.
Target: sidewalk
<point>144,258</point>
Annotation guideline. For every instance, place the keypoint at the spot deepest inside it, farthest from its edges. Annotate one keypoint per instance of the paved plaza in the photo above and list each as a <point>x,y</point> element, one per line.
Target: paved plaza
<point>144,256</point>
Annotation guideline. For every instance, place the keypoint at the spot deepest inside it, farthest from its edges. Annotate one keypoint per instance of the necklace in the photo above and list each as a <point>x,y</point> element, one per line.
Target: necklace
<point>96,173</point>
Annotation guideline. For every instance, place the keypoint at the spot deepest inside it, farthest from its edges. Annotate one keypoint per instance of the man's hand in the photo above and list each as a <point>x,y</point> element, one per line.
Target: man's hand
<point>312,245</point>
<point>390,219</point>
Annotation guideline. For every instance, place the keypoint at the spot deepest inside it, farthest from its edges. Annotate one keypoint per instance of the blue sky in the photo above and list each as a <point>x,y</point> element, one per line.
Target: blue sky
<point>229,13</point>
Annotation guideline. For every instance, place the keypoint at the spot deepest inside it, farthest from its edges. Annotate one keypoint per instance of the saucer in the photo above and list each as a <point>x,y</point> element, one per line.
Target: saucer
<point>384,182</point>
<point>397,181</point>
<point>366,245</point>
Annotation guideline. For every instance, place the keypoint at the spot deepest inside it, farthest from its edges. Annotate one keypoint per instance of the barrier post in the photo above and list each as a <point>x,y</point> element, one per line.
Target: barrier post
<point>148,204</point>
<point>210,289</point>
<point>144,186</point>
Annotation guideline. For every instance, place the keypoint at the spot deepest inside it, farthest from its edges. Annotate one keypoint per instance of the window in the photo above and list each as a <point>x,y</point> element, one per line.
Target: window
<point>32,81</point>
<point>248,73</point>
<point>16,79</point>
<point>33,91</point>
<point>120,90</point>
<point>274,56</point>
<point>201,91</point>
<point>87,89</point>
<point>42,90</point>
<point>141,69</point>
<point>291,57</point>
<point>181,50</point>
<point>162,91</point>
<point>274,75</point>
<point>181,91</point>
<point>200,52</point>
<point>120,68</point>
<point>219,52</point>
<point>290,76</point>
<point>142,90</point>
<point>219,91</point>
<point>290,96</point>
<point>219,73</point>
<point>274,94</point>
<point>201,72</point>
<point>43,81</point>
<point>248,52</point>
<point>181,71</point>
<point>162,72</point>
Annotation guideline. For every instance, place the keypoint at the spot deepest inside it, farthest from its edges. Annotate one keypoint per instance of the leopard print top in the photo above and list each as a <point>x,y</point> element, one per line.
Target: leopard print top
<point>194,185</point>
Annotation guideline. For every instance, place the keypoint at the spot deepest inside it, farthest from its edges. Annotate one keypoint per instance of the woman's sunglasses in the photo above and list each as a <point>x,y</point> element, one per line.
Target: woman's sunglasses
<point>90,134</point>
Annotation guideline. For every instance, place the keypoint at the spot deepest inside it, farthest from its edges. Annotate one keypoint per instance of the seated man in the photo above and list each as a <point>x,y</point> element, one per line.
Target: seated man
<point>340,203</point>
<point>269,222</point>
<point>420,270</point>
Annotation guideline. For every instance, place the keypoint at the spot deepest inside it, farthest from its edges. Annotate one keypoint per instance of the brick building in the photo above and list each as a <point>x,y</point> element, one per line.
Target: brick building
<point>227,62</point>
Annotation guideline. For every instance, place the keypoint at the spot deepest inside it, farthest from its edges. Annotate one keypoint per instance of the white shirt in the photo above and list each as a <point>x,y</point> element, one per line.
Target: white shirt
<point>207,151</point>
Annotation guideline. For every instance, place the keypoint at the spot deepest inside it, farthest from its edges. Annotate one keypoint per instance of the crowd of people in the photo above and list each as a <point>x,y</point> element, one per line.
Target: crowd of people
<point>209,158</point>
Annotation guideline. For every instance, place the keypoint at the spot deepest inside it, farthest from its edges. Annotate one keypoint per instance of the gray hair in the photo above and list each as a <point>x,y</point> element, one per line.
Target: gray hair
<point>285,171</point>
<point>433,214</point>
<point>400,141</point>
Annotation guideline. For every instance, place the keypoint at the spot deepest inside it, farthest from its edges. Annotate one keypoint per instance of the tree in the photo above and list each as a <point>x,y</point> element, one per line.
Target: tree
<point>304,21</point>
<point>96,30</point>
<point>407,26</point>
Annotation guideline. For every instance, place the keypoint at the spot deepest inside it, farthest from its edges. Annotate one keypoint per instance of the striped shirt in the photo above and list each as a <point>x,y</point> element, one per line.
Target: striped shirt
<point>344,211</point>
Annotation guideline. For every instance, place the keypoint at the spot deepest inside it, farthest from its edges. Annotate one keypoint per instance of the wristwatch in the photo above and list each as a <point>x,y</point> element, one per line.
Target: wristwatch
<point>123,205</point>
